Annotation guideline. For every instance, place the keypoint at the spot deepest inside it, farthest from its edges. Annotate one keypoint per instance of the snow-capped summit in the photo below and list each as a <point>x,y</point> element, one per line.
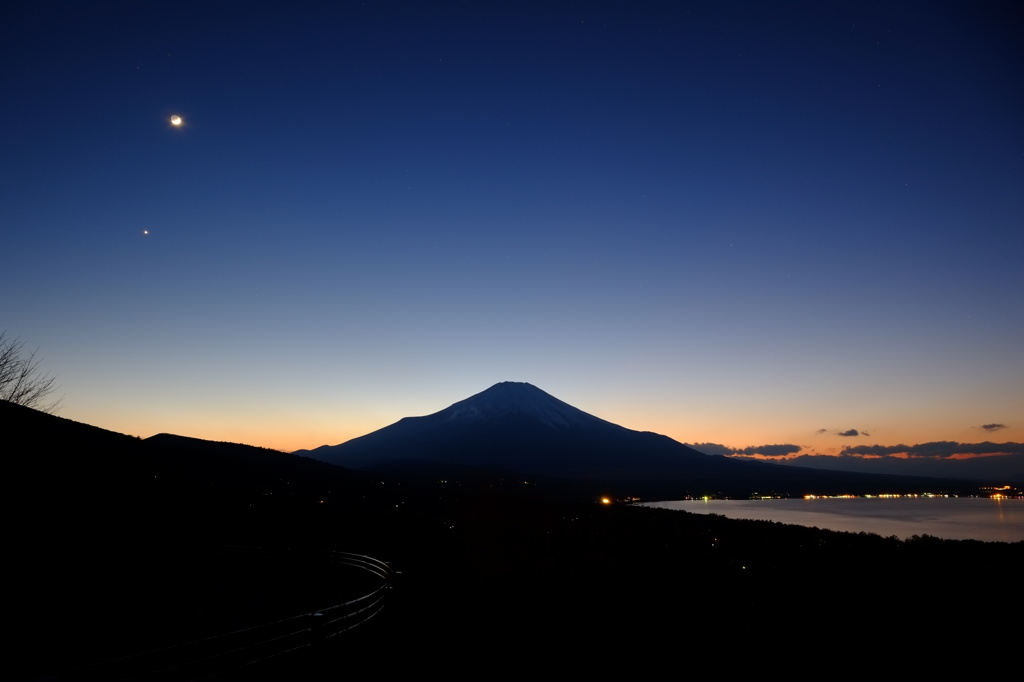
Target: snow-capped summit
<point>516,398</point>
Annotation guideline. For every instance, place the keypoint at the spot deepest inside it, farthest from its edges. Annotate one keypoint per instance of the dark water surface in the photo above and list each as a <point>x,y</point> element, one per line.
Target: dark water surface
<point>952,518</point>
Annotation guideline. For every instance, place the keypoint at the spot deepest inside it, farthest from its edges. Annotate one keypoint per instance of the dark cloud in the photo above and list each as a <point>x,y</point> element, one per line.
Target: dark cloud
<point>935,450</point>
<point>993,427</point>
<point>821,431</point>
<point>851,432</point>
<point>875,450</point>
<point>941,448</point>
<point>770,450</point>
<point>763,450</point>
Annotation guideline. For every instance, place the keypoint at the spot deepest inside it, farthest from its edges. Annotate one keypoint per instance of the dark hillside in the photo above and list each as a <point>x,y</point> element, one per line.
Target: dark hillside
<point>499,578</point>
<point>107,535</point>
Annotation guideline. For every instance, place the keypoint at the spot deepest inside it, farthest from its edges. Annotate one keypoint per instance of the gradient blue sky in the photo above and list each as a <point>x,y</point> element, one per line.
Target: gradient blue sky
<point>737,223</point>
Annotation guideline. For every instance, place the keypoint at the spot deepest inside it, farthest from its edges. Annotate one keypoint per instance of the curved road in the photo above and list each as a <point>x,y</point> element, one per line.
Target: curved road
<point>228,652</point>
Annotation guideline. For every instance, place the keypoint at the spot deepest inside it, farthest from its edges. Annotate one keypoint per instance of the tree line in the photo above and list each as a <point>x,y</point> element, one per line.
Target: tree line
<point>21,380</point>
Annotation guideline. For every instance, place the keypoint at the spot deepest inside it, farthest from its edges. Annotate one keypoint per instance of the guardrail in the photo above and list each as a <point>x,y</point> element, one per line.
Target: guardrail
<point>232,651</point>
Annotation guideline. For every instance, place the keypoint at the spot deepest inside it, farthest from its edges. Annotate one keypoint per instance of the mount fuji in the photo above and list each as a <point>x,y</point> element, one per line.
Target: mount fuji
<point>518,428</point>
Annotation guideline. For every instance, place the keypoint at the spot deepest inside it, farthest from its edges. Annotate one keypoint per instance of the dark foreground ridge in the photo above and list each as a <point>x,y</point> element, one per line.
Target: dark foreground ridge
<point>112,550</point>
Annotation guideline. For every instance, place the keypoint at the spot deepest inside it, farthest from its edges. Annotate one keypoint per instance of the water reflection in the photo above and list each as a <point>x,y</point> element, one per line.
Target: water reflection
<point>1000,520</point>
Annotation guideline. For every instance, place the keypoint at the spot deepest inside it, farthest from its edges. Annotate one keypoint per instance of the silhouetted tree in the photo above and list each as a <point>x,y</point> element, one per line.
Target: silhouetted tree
<point>21,381</point>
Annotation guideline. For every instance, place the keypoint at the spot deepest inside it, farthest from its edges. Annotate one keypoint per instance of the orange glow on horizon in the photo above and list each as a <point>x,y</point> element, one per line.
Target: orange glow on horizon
<point>254,422</point>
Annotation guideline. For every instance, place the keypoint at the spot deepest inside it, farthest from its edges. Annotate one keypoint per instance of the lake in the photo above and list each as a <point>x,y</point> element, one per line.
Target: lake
<point>953,518</point>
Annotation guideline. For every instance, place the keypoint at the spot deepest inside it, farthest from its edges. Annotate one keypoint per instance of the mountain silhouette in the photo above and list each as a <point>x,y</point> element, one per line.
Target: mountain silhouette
<point>514,427</point>
<point>519,429</point>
